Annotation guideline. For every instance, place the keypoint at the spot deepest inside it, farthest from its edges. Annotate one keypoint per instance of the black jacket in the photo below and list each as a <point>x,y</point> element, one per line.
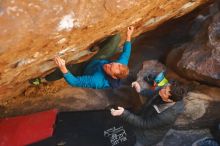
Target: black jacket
<point>150,127</point>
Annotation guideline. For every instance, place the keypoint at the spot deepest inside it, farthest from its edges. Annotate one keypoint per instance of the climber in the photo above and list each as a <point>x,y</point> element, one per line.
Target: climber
<point>100,72</point>
<point>156,118</point>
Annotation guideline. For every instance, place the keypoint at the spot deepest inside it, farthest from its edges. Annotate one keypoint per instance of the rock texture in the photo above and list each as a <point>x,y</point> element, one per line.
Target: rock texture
<point>32,32</point>
<point>200,59</point>
<point>70,99</point>
<point>201,105</point>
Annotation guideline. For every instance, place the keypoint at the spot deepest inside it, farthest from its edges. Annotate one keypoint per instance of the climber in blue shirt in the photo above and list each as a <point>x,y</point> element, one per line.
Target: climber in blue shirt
<point>100,72</point>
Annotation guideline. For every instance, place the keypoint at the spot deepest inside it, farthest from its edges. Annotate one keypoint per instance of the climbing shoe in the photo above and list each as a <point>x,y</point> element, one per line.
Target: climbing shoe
<point>35,81</point>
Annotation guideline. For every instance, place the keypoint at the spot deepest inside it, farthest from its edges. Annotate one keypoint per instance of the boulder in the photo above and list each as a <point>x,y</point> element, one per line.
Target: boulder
<point>200,59</point>
<point>69,99</point>
<point>201,106</point>
<point>32,32</point>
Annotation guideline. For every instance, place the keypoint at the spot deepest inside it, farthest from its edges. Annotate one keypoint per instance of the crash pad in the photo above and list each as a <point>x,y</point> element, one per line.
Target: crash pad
<point>27,129</point>
<point>90,128</point>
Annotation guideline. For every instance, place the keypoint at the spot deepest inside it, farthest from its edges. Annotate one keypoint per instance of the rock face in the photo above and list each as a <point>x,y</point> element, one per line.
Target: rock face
<point>32,32</point>
<point>73,99</point>
<point>200,60</point>
<point>201,105</point>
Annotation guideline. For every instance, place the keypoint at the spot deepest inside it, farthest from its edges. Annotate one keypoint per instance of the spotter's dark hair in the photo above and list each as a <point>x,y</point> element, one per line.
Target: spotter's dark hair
<point>177,91</point>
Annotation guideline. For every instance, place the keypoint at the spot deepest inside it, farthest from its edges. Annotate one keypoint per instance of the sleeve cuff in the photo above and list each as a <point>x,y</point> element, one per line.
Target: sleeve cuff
<point>125,113</point>
<point>127,42</point>
<point>66,74</point>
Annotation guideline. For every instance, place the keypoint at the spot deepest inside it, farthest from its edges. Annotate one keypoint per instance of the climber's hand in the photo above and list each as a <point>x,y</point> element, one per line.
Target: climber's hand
<point>137,86</point>
<point>130,30</point>
<point>61,64</point>
<point>117,112</point>
<point>59,61</point>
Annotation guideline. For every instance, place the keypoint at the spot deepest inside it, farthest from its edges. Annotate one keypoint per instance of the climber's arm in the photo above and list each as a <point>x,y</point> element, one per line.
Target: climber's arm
<point>125,55</point>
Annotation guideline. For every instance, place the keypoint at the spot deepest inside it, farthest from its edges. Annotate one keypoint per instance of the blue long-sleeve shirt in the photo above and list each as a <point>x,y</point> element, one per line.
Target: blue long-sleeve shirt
<point>94,76</point>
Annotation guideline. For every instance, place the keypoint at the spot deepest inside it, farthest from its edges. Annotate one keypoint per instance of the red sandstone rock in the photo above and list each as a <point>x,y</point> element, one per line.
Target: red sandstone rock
<point>32,32</point>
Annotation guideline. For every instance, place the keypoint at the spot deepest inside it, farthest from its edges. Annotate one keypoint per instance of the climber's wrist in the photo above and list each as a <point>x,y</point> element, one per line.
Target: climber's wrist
<point>63,69</point>
<point>128,38</point>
